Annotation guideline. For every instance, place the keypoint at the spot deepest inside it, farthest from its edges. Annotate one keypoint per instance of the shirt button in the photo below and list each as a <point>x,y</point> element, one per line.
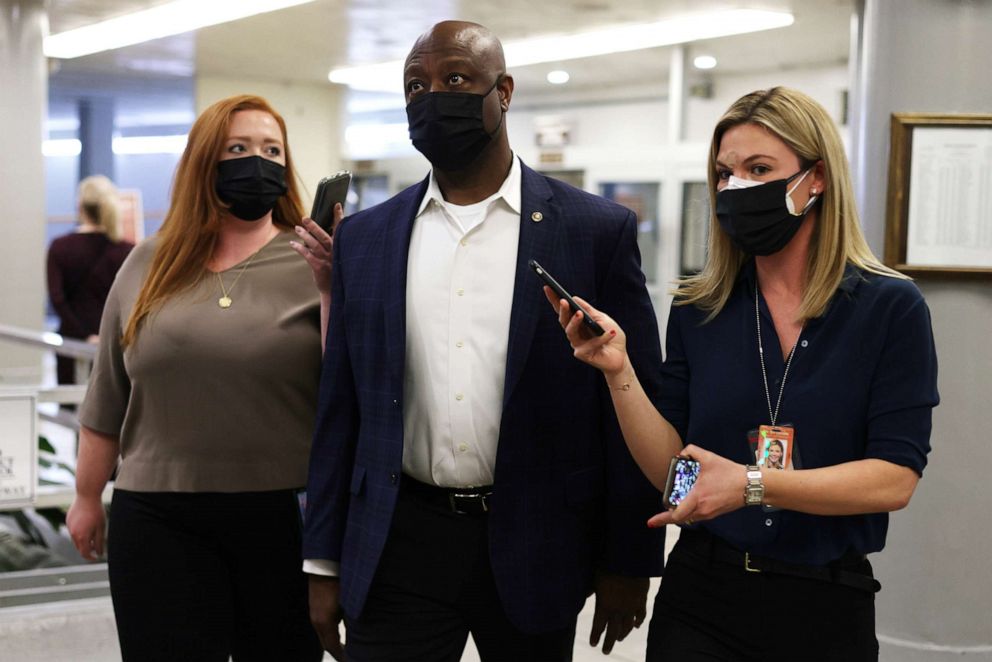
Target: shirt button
<point>459,344</point>
<point>462,447</point>
<point>393,478</point>
<point>396,402</point>
<point>460,292</point>
<point>768,522</point>
<point>805,343</point>
<point>463,242</point>
<point>459,396</point>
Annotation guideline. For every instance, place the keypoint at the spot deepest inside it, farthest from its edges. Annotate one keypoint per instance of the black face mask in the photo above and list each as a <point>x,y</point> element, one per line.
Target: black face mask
<point>757,219</point>
<point>447,127</point>
<point>251,185</point>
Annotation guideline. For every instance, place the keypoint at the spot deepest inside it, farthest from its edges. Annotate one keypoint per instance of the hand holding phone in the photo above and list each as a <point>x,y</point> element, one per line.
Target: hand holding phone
<point>549,280</point>
<point>330,191</point>
<point>682,475</point>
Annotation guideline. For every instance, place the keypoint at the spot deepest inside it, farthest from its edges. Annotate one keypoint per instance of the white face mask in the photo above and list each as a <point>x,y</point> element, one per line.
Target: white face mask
<point>738,183</point>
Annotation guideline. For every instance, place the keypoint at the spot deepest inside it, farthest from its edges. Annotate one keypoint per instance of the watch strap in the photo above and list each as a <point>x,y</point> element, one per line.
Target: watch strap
<point>754,491</point>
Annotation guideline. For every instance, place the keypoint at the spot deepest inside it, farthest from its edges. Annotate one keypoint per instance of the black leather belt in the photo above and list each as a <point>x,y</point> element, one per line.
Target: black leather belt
<point>459,500</point>
<point>703,543</point>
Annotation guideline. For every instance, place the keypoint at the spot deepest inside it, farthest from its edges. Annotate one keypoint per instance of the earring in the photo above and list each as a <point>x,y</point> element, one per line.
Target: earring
<point>812,191</point>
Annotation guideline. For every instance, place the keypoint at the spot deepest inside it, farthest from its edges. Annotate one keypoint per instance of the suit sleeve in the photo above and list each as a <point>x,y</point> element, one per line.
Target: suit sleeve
<point>631,547</point>
<point>335,433</point>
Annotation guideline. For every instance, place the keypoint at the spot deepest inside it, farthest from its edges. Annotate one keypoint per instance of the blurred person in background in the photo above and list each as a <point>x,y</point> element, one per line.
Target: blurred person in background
<point>82,266</point>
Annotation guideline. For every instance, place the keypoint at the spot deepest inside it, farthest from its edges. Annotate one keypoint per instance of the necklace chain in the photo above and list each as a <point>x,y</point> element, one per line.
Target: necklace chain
<point>225,301</point>
<point>761,355</point>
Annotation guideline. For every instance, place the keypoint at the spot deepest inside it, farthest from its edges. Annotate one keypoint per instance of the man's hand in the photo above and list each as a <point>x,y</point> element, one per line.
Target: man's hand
<point>621,606</point>
<point>325,613</point>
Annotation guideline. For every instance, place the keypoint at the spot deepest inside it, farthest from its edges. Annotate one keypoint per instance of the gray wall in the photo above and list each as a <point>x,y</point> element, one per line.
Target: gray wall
<point>23,80</point>
<point>936,601</point>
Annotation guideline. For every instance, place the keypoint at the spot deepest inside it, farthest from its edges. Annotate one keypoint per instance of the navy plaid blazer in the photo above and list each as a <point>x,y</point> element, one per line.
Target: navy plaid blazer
<point>568,498</point>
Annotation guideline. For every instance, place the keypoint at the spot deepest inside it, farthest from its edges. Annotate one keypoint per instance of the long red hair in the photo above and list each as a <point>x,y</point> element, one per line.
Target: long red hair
<point>189,233</point>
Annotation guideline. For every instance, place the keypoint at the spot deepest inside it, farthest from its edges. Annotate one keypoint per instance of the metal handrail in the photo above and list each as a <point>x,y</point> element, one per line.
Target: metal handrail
<point>78,349</point>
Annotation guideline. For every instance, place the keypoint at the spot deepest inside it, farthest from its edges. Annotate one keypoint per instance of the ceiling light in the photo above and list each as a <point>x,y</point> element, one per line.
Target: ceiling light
<point>558,77</point>
<point>388,76</point>
<point>704,62</point>
<point>162,21</point>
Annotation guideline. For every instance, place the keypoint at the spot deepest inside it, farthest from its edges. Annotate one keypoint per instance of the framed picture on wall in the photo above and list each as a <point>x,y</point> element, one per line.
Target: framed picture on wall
<point>695,227</point>
<point>644,199</point>
<point>939,210</point>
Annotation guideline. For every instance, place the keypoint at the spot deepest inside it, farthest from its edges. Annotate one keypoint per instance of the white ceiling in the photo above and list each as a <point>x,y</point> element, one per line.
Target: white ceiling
<point>305,42</point>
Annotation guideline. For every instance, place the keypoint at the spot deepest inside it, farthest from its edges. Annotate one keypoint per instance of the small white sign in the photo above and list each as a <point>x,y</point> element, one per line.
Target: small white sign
<point>18,449</point>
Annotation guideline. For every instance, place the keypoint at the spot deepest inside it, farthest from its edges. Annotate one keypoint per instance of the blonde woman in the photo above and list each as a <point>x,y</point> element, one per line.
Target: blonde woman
<point>792,323</point>
<point>82,266</point>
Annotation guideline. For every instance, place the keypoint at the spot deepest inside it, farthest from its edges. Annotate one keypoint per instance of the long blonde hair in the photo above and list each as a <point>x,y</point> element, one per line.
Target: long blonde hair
<point>192,224</point>
<point>803,125</point>
<point>98,202</point>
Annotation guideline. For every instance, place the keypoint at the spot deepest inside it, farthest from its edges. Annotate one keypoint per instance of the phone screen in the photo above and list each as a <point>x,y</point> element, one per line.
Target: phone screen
<point>682,475</point>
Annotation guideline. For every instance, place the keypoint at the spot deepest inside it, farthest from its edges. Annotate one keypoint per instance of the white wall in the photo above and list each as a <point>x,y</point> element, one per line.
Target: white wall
<point>935,605</point>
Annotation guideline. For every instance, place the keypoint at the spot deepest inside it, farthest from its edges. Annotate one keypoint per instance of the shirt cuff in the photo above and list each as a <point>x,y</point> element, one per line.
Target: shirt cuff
<point>321,567</point>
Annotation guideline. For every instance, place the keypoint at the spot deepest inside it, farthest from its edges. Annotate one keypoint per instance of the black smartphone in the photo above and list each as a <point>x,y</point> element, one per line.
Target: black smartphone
<point>682,475</point>
<point>330,190</point>
<point>590,323</point>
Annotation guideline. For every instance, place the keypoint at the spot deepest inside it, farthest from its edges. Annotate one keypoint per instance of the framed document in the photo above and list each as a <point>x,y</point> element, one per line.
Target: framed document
<point>18,449</point>
<point>939,212</point>
<point>695,227</point>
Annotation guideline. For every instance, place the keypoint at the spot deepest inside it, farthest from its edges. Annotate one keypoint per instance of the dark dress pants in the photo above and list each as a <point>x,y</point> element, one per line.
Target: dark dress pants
<point>201,577</point>
<point>433,586</point>
<point>710,611</point>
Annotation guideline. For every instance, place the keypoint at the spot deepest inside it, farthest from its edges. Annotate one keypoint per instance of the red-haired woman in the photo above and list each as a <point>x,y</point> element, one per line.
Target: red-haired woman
<point>205,389</point>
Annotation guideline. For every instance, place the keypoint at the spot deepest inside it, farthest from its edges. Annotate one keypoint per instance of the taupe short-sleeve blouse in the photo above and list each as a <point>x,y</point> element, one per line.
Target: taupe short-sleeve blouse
<point>211,399</point>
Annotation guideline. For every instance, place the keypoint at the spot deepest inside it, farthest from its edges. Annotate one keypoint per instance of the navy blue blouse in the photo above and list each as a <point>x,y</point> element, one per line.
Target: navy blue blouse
<point>862,384</point>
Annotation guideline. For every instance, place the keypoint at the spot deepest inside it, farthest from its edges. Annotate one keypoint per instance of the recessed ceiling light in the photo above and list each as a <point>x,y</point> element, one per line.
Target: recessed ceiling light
<point>558,77</point>
<point>387,76</point>
<point>161,21</point>
<point>704,62</point>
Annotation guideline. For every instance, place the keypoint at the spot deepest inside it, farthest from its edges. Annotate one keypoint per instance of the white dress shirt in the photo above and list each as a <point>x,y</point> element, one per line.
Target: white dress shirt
<point>459,293</point>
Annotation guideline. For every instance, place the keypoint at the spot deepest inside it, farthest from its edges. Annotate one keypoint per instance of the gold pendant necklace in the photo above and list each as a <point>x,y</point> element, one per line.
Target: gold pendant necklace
<point>225,301</point>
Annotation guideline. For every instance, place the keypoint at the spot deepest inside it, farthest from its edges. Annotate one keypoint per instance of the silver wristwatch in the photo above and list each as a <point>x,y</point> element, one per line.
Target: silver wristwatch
<point>754,491</point>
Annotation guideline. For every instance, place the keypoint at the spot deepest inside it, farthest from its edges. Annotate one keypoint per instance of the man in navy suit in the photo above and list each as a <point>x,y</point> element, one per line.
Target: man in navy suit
<point>467,474</point>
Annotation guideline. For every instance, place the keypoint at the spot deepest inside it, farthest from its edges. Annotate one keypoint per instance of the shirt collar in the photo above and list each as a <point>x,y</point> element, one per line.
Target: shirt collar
<point>509,191</point>
<point>848,282</point>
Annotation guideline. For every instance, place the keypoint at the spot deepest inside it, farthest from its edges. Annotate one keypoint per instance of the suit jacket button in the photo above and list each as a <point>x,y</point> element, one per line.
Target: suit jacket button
<point>393,478</point>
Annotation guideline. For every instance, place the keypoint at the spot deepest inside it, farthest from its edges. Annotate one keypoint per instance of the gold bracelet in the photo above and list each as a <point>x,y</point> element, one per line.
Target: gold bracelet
<point>623,387</point>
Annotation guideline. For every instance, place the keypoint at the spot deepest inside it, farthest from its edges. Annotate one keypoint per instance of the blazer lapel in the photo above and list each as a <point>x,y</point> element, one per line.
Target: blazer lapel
<point>397,251</point>
<point>539,226</point>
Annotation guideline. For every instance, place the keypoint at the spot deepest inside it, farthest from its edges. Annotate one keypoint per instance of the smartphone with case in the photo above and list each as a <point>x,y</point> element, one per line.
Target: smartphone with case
<point>590,323</point>
<point>330,191</point>
<point>682,475</point>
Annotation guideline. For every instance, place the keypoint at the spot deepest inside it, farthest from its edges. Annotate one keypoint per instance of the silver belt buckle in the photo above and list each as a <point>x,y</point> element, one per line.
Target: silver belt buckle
<point>454,496</point>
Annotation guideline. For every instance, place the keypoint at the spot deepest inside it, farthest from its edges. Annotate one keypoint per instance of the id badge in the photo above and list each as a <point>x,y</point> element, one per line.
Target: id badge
<point>774,449</point>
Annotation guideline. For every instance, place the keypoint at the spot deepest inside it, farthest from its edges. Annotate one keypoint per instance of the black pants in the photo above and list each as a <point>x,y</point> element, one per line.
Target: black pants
<point>708,610</point>
<point>204,576</point>
<point>433,586</point>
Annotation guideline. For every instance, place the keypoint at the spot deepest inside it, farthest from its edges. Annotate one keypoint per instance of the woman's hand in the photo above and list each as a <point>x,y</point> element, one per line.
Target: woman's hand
<point>718,490</point>
<point>607,352</point>
<point>316,247</point>
<point>87,523</point>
